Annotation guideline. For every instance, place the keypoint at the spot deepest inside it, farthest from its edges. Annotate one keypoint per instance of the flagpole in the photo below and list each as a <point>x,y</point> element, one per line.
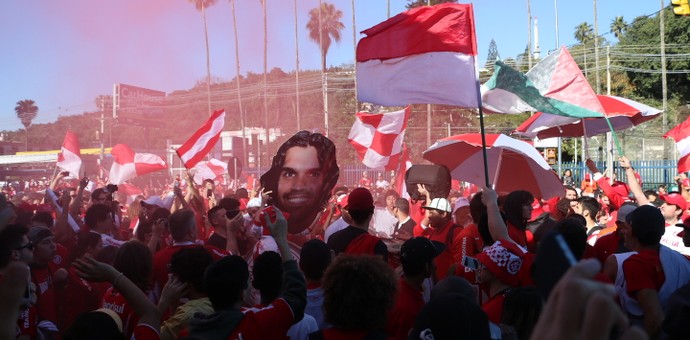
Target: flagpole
<point>481,125</point>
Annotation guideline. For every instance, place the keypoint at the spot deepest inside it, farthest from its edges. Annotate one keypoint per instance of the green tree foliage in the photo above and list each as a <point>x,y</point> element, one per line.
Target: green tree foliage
<point>492,56</point>
<point>330,28</point>
<point>618,26</point>
<point>584,33</point>
<point>26,111</point>
<point>418,3</point>
<point>644,74</point>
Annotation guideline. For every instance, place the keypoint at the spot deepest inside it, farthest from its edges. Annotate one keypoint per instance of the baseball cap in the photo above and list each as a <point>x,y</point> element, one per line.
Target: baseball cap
<point>420,249</point>
<point>504,260</point>
<point>38,233</point>
<point>254,203</point>
<point>623,212</point>
<point>441,204</point>
<point>359,199</point>
<point>675,199</point>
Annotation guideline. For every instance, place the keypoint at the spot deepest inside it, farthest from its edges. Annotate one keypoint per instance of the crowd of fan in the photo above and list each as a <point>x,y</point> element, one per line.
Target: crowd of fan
<point>210,263</point>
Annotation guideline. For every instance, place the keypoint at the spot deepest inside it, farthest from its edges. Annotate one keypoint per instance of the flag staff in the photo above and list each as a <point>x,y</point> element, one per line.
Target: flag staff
<point>481,127</point>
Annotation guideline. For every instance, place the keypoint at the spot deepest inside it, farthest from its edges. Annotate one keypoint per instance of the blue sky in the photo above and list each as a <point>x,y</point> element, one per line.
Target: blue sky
<point>62,54</point>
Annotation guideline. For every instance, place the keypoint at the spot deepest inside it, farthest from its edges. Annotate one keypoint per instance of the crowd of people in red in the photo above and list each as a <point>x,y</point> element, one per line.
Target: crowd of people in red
<point>301,257</point>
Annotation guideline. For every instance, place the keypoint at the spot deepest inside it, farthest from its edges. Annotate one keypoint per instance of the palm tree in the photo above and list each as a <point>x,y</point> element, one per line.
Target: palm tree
<point>584,33</point>
<point>330,28</point>
<point>201,5</point>
<point>263,7</point>
<point>618,26</point>
<point>237,83</point>
<point>26,112</point>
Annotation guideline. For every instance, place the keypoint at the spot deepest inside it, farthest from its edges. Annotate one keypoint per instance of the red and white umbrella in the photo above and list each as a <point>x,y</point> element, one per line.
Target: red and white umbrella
<point>623,114</point>
<point>512,164</point>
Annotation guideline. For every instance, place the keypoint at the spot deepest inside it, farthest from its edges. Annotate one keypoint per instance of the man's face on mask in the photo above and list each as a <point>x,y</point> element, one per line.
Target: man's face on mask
<point>299,186</point>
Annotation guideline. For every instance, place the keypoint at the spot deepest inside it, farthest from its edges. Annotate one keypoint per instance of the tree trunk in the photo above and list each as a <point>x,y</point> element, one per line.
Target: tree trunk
<point>208,60</point>
<point>26,139</point>
<point>263,3</point>
<point>243,157</point>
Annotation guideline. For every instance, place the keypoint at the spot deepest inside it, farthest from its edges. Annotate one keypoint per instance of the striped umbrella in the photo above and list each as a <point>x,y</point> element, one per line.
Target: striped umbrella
<point>512,164</point>
<point>623,114</point>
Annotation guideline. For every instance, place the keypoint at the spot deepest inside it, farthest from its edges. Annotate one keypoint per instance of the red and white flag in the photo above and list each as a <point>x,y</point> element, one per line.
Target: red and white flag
<point>681,134</point>
<point>212,169</point>
<point>128,164</point>
<point>69,157</point>
<point>378,138</point>
<point>130,191</point>
<point>427,55</point>
<point>202,141</point>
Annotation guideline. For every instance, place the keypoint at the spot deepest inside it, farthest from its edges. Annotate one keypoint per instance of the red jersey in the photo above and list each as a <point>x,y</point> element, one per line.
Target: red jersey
<point>468,242</point>
<point>494,307</point>
<point>643,271</point>
<point>253,326</point>
<point>145,332</point>
<point>445,235</point>
<point>45,293</point>
<point>408,303</point>
<point>79,296</point>
<point>116,302</point>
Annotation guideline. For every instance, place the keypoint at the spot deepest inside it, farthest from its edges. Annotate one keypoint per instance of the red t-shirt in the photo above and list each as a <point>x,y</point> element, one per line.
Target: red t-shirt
<point>116,302</point>
<point>27,322</point>
<point>468,243</point>
<point>79,296</point>
<point>518,235</point>
<point>643,271</point>
<point>494,307</point>
<point>254,324</point>
<point>408,303</point>
<point>445,260</point>
<point>45,293</point>
<point>604,247</point>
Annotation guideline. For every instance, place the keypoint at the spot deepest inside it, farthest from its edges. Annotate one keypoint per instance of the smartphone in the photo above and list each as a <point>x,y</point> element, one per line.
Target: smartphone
<point>209,192</point>
<point>470,262</point>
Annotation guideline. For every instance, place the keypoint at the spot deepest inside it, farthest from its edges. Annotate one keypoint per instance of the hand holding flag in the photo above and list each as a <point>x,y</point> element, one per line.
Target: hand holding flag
<point>69,157</point>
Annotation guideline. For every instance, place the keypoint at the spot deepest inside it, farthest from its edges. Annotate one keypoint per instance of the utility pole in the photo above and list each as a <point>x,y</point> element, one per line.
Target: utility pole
<point>664,89</point>
<point>428,110</point>
<point>529,35</point>
<point>596,48</point>
<point>354,47</point>
<point>297,109</point>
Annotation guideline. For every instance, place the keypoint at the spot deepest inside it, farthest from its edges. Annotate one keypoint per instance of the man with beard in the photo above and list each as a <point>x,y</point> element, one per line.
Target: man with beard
<point>302,175</point>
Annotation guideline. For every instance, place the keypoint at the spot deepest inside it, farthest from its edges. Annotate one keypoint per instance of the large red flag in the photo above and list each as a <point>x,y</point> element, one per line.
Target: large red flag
<point>426,55</point>
<point>202,141</point>
<point>69,157</point>
<point>128,164</point>
<point>681,134</point>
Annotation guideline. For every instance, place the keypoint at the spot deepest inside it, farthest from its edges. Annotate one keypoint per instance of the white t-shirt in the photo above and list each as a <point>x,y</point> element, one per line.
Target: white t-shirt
<point>383,222</point>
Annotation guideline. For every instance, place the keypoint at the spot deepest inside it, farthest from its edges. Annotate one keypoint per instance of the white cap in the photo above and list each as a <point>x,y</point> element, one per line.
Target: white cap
<point>254,203</point>
<point>441,204</point>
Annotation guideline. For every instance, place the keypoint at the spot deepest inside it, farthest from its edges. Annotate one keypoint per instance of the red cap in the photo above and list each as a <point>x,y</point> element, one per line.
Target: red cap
<point>359,199</point>
<point>675,199</point>
<point>686,182</point>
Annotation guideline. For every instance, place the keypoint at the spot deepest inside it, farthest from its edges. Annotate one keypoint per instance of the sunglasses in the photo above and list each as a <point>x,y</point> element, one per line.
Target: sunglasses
<point>29,246</point>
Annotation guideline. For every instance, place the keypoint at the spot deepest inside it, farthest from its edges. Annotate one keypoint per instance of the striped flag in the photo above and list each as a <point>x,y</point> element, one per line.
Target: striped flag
<point>202,141</point>
<point>212,169</point>
<point>426,55</point>
<point>681,134</point>
<point>69,157</point>
<point>127,164</point>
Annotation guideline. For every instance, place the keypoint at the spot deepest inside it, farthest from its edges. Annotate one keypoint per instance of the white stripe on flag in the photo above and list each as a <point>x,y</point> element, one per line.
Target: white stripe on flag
<point>205,138</point>
<point>429,78</point>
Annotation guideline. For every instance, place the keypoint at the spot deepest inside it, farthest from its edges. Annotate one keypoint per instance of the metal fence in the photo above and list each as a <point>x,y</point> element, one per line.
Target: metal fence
<point>653,172</point>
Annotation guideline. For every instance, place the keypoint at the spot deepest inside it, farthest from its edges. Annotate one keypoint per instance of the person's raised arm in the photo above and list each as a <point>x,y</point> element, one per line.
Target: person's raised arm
<point>92,270</point>
<point>497,227</point>
<point>633,184</point>
<point>294,287</point>
<point>76,202</point>
<point>231,228</point>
